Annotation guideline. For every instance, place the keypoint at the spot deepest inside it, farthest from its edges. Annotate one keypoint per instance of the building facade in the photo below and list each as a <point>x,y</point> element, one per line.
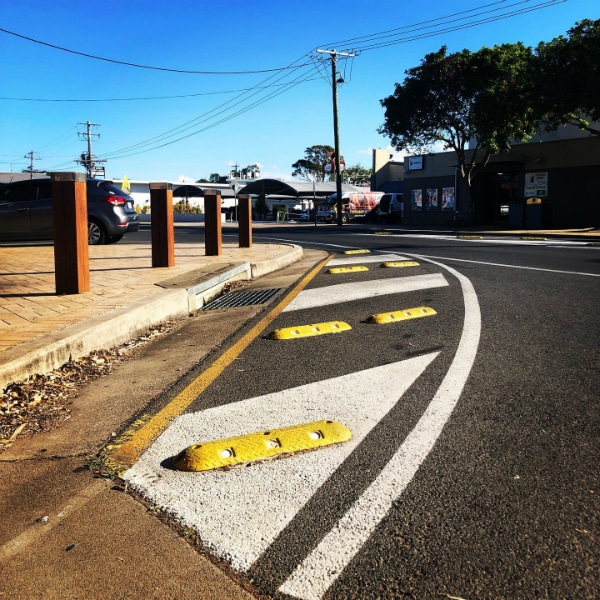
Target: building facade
<point>551,182</point>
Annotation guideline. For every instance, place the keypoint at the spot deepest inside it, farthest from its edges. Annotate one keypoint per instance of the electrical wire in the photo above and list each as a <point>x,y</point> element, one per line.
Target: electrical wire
<point>440,25</point>
<point>138,66</point>
<point>132,99</point>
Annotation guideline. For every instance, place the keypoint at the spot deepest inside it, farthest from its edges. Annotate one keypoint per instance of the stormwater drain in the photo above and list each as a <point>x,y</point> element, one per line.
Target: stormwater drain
<point>242,299</point>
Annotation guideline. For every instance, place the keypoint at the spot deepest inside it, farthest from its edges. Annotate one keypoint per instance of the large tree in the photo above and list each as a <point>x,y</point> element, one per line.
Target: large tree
<point>567,78</point>
<point>312,165</point>
<point>357,175</point>
<point>470,102</point>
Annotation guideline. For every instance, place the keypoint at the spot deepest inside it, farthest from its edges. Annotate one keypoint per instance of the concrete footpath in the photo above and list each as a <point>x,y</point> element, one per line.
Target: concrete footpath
<point>39,330</point>
<point>65,533</point>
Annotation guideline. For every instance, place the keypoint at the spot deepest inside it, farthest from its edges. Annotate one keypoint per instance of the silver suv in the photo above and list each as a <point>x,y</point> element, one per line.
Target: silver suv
<point>26,211</point>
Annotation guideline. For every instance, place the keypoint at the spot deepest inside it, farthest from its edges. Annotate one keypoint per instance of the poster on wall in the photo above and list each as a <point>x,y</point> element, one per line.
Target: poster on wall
<point>416,199</point>
<point>448,198</point>
<point>536,184</point>
<point>432,198</point>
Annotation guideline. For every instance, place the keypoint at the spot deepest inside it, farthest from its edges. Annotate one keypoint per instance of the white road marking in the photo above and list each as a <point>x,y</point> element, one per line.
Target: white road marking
<point>490,264</point>
<point>313,577</point>
<point>239,513</point>
<point>364,258</point>
<point>346,292</point>
<point>490,240</point>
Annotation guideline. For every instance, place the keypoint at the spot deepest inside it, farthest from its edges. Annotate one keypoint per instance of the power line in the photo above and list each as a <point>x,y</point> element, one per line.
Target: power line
<point>449,24</point>
<point>244,96</point>
<point>138,66</point>
<point>136,98</point>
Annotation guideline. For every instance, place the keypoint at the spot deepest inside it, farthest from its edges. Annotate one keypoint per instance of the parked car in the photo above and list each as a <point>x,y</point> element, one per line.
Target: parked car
<point>26,211</point>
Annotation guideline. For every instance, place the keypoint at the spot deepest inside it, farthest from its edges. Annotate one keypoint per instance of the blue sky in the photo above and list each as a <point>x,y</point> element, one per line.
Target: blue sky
<point>256,93</point>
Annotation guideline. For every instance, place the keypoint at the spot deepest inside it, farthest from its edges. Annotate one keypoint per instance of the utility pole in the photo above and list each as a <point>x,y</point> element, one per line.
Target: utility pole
<point>31,156</point>
<point>88,160</point>
<point>336,135</point>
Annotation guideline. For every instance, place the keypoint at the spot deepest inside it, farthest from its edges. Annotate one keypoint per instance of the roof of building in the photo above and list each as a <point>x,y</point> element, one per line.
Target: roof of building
<point>297,189</point>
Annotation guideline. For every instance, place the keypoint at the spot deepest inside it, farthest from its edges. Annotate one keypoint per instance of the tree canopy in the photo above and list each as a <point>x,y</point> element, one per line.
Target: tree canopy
<point>357,175</point>
<point>567,78</point>
<point>311,166</point>
<point>465,99</point>
<point>485,100</point>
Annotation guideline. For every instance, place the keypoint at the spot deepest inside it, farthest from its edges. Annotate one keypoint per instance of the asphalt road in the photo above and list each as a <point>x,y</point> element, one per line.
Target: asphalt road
<point>472,471</point>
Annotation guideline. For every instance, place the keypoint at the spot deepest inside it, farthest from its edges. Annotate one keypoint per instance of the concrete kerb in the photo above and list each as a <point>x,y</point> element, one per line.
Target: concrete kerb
<point>120,325</point>
<point>108,330</point>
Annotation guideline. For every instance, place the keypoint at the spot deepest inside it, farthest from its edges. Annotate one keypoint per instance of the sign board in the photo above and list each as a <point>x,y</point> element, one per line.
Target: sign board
<point>415,163</point>
<point>536,184</point>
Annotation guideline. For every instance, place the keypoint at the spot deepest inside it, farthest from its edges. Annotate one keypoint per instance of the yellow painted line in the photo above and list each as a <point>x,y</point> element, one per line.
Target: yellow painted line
<point>262,445</point>
<point>469,237</point>
<point>382,233</point>
<point>357,251</point>
<point>128,453</point>
<point>400,264</point>
<point>300,331</point>
<point>535,238</point>
<point>402,315</point>
<point>337,270</point>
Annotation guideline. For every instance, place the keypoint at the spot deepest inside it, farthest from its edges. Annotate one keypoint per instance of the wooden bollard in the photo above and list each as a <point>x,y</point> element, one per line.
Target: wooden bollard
<point>245,221</point>
<point>161,224</point>
<point>70,221</point>
<point>212,223</point>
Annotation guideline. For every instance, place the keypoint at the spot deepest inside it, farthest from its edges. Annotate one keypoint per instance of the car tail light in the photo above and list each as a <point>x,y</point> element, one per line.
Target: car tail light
<point>115,200</point>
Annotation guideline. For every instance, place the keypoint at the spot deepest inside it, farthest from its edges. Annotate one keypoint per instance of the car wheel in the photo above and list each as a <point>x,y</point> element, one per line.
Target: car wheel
<point>96,233</point>
<point>344,218</point>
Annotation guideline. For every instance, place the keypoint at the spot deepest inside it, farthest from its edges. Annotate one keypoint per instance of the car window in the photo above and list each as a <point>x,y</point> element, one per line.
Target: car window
<point>22,191</point>
<point>111,188</point>
<point>44,190</point>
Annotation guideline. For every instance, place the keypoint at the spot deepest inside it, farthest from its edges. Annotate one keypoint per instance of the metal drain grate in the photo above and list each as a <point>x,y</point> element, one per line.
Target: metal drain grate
<point>242,299</point>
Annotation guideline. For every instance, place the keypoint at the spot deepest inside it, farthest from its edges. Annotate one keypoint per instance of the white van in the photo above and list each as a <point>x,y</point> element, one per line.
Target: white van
<point>391,207</point>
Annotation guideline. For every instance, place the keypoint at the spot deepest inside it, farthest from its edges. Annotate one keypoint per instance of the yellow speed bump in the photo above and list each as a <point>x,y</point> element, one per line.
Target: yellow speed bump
<point>469,237</point>
<point>262,445</point>
<point>399,264</point>
<point>402,315</point>
<point>535,238</point>
<point>336,270</point>
<point>357,251</point>
<point>289,333</point>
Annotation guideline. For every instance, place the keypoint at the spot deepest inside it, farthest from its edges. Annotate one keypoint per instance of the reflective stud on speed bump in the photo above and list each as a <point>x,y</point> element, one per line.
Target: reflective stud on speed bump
<point>402,315</point>
<point>262,445</point>
<point>290,333</point>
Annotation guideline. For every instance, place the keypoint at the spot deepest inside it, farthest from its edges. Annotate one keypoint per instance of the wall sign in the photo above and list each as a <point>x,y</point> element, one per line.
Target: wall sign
<point>415,163</point>
<point>536,185</point>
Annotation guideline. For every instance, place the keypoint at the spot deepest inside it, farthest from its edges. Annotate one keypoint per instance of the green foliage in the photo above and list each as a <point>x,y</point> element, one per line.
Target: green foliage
<point>566,78</point>
<point>357,175</point>
<point>185,208</point>
<point>463,99</point>
<point>311,166</point>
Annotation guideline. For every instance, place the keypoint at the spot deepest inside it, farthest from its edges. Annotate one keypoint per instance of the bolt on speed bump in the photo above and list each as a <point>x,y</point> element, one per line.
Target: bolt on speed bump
<point>399,264</point>
<point>356,269</point>
<point>357,251</point>
<point>402,315</point>
<point>262,445</point>
<point>288,333</point>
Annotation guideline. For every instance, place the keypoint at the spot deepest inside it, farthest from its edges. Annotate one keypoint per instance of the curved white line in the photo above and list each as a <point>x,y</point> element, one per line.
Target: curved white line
<point>313,577</point>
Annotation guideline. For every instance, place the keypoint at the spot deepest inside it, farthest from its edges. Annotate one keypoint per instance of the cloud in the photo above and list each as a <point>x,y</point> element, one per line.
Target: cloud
<point>185,179</point>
